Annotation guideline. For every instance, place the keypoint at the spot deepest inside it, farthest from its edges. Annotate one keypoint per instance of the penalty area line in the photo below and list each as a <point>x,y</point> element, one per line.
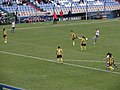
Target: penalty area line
<point>69,64</point>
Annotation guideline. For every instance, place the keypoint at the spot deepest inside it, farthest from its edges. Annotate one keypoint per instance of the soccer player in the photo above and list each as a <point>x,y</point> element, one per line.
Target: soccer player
<point>110,61</point>
<point>55,17</point>
<point>59,53</point>
<point>13,27</point>
<point>83,43</point>
<point>5,35</point>
<point>61,15</point>
<point>95,38</point>
<point>73,37</point>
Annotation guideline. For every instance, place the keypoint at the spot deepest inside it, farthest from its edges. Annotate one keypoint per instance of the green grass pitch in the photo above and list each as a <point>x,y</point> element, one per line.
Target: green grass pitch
<point>28,60</point>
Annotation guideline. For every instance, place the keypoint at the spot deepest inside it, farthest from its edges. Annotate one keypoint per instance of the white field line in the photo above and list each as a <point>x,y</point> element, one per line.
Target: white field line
<point>89,61</point>
<point>96,69</point>
<point>12,86</point>
<point>92,22</point>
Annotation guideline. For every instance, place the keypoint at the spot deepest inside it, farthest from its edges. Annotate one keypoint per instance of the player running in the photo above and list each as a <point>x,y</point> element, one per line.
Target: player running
<point>13,27</point>
<point>59,53</point>
<point>95,38</point>
<point>73,37</point>
<point>5,35</point>
<point>110,61</point>
<point>83,43</point>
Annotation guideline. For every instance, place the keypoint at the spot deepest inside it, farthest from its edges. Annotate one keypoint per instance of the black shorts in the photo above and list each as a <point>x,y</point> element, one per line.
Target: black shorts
<point>13,27</point>
<point>83,44</point>
<point>96,36</point>
<point>4,36</point>
<point>59,56</point>
<point>74,38</point>
<point>55,19</point>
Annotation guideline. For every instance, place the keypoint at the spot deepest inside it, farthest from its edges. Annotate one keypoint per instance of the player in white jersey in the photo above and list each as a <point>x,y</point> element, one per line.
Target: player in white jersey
<point>95,38</point>
<point>97,33</point>
<point>13,27</point>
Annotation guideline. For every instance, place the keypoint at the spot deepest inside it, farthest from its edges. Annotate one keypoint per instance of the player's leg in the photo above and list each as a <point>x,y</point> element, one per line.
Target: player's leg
<point>61,60</point>
<point>81,47</point>
<point>13,29</point>
<point>114,65</point>
<point>53,21</point>
<point>110,65</point>
<point>56,21</point>
<point>84,46</point>
<point>95,40</point>
<point>73,42</point>
<point>58,60</point>
<point>111,68</point>
<point>5,39</point>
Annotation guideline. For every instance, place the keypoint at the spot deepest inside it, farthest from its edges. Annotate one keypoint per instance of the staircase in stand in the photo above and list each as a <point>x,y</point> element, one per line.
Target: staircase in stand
<point>33,6</point>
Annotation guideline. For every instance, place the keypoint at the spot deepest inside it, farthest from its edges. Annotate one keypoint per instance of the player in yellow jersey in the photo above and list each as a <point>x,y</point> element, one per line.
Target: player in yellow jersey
<point>59,53</point>
<point>110,61</point>
<point>73,37</point>
<point>83,43</point>
<point>5,35</point>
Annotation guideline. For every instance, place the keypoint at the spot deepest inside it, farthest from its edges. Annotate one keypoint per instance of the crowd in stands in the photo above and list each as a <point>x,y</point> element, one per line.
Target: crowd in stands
<point>31,19</point>
<point>60,7</point>
<point>18,2</point>
<point>38,1</point>
<point>3,19</point>
<point>118,1</point>
<point>22,2</point>
<point>7,3</point>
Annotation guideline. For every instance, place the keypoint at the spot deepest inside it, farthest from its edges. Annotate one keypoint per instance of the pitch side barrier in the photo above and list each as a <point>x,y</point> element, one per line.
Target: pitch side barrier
<point>8,87</point>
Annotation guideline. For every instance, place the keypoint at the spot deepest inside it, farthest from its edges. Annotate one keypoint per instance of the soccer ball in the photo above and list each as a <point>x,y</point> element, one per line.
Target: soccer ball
<point>86,38</point>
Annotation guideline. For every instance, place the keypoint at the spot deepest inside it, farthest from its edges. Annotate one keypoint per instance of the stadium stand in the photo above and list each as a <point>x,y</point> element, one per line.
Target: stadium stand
<point>23,10</point>
<point>78,7</point>
<point>35,10</point>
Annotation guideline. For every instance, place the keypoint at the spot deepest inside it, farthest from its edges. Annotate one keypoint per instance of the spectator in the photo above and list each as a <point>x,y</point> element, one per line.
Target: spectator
<point>55,18</point>
<point>61,15</point>
<point>81,2</point>
<point>58,3</point>
<point>9,3</point>
<point>69,15</point>
<point>98,12</point>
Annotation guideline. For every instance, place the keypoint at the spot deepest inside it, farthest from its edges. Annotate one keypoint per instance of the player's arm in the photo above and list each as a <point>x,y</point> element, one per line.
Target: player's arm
<point>79,37</point>
<point>105,58</point>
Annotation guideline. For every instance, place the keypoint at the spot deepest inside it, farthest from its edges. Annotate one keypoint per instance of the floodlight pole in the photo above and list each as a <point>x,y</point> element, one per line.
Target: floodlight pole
<point>86,10</point>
